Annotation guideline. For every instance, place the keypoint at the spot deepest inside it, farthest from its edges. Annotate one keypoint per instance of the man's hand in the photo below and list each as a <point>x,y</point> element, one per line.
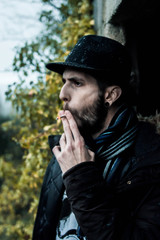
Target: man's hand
<point>72,149</point>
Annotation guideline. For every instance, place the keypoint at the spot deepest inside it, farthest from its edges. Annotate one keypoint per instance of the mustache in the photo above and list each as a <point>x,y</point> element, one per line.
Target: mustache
<point>76,114</point>
<point>66,107</point>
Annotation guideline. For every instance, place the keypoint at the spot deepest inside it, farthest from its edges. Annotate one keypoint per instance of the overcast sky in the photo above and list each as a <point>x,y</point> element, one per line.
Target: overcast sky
<point>18,24</point>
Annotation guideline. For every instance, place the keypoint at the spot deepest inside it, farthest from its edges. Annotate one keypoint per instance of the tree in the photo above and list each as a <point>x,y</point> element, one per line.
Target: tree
<point>37,107</point>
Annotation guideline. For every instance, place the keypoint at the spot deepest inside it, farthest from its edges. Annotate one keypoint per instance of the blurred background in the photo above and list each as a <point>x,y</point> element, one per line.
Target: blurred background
<point>32,33</point>
<point>18,23</point>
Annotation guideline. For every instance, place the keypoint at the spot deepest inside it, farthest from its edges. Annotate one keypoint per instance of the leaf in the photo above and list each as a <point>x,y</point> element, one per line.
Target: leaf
<point>37,107</point>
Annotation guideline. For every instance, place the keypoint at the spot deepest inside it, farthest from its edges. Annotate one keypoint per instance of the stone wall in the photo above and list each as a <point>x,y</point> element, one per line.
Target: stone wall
<point>135,23</point>
<point>104,10</point>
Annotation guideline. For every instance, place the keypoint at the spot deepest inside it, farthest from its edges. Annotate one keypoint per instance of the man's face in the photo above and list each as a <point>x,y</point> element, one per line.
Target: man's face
<point>82,97</point>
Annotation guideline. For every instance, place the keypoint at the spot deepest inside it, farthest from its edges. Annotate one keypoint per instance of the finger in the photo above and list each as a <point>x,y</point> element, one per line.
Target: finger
<point>56,151</point>
<point>73,125</point>
<point>62,141</point>
<point>67,131</point>
<point>61,114</point>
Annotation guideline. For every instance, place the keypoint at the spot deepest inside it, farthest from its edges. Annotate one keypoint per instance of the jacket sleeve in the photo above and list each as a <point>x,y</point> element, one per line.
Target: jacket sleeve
<point>105,215</point>
<point>92,201</point>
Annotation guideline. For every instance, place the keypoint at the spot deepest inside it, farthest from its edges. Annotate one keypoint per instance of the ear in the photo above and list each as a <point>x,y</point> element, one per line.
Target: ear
<point>112,94</point>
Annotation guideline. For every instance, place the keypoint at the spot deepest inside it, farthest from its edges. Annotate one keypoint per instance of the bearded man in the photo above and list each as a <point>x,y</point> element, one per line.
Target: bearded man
<point>103,182</point>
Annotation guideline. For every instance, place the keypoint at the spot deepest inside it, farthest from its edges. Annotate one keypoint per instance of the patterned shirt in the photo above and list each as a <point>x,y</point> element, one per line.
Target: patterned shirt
<point>67,227</point>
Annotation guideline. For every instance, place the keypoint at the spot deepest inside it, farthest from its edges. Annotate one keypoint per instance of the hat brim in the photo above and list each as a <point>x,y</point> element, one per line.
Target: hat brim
<point>59,67</point>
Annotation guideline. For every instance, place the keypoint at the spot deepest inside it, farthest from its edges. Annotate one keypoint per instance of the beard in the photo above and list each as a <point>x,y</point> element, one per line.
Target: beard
<point>90,119</point>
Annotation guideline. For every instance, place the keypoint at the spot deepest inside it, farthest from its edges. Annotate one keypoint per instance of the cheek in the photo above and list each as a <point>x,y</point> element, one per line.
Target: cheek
<point>93,96</point>
<point>88,98</point>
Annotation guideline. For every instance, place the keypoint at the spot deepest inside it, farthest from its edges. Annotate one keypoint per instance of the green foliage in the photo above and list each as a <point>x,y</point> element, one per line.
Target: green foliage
<point>37,106</point>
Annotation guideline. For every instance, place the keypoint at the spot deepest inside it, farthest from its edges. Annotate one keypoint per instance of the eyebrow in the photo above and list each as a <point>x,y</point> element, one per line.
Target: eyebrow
<point>73,79</point>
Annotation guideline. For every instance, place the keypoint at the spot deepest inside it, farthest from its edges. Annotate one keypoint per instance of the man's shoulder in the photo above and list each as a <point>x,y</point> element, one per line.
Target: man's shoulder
<point>148,139</point>
<point>53,172</point>
<point>145,162</point>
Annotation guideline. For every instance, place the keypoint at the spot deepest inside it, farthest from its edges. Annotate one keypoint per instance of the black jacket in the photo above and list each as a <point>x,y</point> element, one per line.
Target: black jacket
<point>129,210</point>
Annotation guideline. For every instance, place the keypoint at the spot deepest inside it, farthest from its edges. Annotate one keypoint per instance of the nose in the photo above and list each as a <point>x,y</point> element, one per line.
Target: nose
<point>64,94</point>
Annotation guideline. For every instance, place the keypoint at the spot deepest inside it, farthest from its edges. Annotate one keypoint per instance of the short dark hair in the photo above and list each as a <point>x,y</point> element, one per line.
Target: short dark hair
<point>105,80</point>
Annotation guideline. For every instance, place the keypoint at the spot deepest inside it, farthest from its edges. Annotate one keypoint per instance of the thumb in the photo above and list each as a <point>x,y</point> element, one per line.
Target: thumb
<point>92,155</point>
<point>56,151</point>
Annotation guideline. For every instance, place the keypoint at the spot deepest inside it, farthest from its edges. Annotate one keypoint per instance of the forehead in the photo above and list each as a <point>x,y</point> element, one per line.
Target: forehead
<point>69,73</point>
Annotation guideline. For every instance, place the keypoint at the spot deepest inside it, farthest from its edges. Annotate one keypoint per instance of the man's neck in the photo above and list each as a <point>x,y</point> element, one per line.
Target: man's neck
<point>111,112</point>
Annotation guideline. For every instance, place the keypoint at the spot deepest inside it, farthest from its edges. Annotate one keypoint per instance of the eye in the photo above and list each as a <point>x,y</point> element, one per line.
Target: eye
<point>77,83</point>
<point>63,80</point>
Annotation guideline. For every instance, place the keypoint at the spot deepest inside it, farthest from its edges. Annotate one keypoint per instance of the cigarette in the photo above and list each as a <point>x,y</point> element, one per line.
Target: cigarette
<point>59,117</point>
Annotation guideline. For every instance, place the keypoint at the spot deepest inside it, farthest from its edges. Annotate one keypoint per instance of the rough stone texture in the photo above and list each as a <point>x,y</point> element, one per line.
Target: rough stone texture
<point>111,7</point>
<point>114,32</point>
<point>104,10</point>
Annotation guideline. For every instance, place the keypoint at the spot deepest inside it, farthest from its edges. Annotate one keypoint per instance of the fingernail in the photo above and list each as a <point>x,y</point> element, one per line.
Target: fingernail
<point>61,113</point>
<point>66,112</point>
